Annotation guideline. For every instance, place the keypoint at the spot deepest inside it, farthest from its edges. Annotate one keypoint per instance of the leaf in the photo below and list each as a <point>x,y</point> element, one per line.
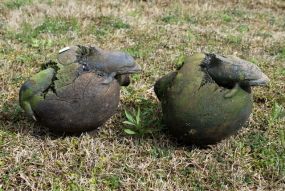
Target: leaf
<point>138,117</point>
<point>282,136</point>
<point>149,130</point>
<point>129,132</point>
<point>283,72</point>
<point>129,117</point>
<point>277,112</point>
<point>129,123</point>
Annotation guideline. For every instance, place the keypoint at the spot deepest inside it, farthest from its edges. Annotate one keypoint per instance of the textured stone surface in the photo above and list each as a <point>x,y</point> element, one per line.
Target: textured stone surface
<point>81,106</point>
<point>80,91</point>
<point>197,110</point>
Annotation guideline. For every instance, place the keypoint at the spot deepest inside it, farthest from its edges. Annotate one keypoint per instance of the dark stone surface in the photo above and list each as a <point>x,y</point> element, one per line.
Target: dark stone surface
<point>81,106</point>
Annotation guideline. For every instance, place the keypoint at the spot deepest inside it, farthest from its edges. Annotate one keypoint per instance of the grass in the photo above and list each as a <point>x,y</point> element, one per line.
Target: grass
<point>16,4</point>
<point>157,34</point>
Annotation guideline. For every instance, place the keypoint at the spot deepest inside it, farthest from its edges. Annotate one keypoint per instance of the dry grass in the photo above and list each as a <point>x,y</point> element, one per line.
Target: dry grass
<point>156,33</point>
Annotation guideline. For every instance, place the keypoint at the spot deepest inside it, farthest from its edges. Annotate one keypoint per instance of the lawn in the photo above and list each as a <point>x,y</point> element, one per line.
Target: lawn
<point>157,34</point>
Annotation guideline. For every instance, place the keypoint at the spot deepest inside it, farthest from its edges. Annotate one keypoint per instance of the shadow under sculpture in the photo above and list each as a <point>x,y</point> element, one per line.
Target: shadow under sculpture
<point>208,98</point>
<point>80,91</point>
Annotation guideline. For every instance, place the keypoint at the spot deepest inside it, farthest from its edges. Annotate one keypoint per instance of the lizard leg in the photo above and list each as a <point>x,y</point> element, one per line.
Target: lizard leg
<point>230,93</point>
<point>31,90</point>
<point>28,109</point>
<point>109,78</point>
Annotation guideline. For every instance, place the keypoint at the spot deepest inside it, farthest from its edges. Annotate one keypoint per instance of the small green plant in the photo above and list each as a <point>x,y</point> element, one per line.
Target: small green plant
<point>36,43</point>
<point>104,25</point>
<point>118,24</point>
<point>234,39</point>
<point>55,26</point>
<point>170,19</point>
<point>158,152</point>
<point>138,51</point>
<point>282,53</point>
<point>134,121</point>
<point>135,51</point>
<point>135,124</point>
<point>277,113</point>
<point>191,36</point>
<point>282,71</point>
<point>243,28</point>
<point>226,18</point>
<point>112,181</point>
<point>16,4</point>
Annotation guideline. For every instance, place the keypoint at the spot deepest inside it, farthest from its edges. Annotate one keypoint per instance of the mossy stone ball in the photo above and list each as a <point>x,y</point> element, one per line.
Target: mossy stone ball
<point>198,112</point>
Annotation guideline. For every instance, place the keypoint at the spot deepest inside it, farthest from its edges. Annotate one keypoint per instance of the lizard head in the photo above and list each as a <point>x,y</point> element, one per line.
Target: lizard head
<point>228,70</point>
<point>260,79</point>
<point>94,58</point>
<point>250,73</point>
<point>107,61</point>
<point>121,63</point>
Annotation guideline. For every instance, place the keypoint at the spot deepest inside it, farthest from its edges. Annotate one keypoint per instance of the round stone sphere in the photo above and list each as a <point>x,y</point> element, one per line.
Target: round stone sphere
<point>201,113</point>
<point>80,106</point>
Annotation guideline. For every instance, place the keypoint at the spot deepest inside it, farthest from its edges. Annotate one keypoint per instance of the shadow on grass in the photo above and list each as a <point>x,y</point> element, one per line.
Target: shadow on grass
<point>13,120</point>
<point>150,127</point>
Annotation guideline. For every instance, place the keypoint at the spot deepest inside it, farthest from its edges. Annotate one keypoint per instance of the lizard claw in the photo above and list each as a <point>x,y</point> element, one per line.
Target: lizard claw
<point>230,93</point>
<point>109,78</point>
<point>34,118</point>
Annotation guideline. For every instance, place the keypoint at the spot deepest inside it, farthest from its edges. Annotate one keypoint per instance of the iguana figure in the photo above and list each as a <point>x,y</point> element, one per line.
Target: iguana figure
<point>71,63</point>
<point>112,63</point>
<point>208,98</point>
<point>229,70</point>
